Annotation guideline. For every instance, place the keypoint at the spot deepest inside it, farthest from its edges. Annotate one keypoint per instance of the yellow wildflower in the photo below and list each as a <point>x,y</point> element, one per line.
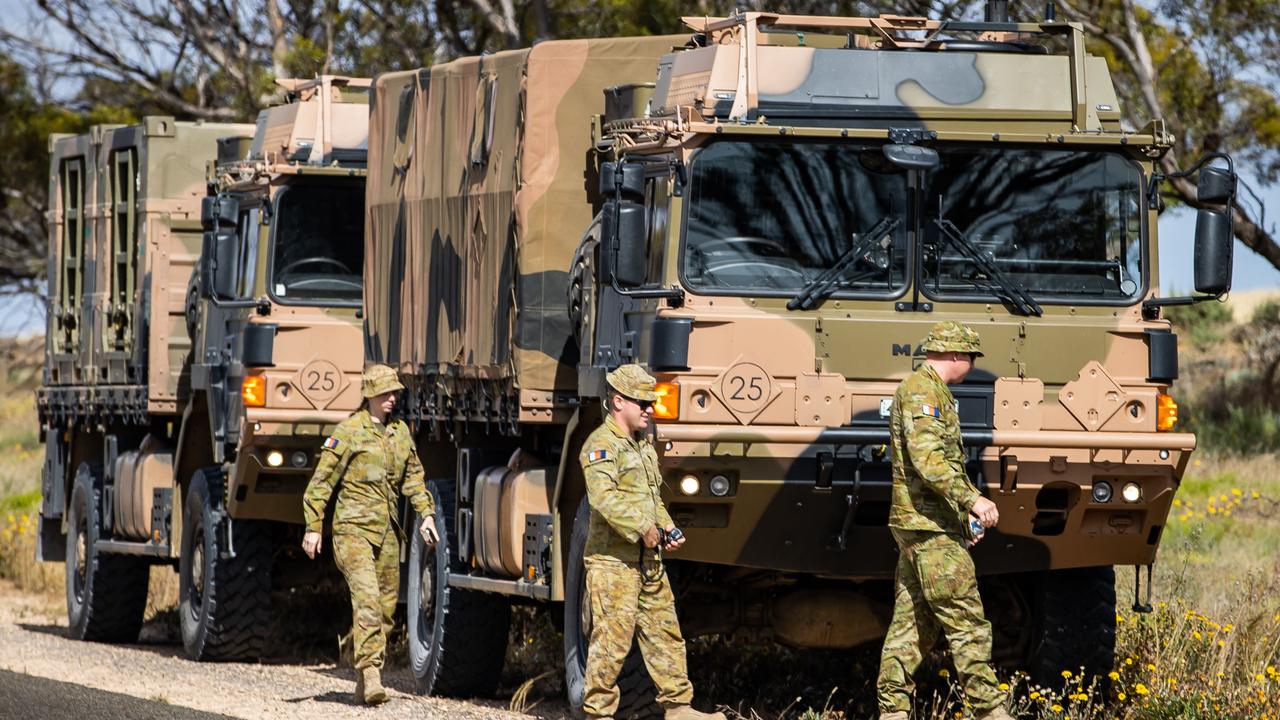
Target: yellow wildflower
<point>1113,675</point>
<point>1120,695</point>
<point>1004,686</point>
<point>1056,707</point>
<point>1066,673</point>
<point>1140,689</point>
<point>944,673</point>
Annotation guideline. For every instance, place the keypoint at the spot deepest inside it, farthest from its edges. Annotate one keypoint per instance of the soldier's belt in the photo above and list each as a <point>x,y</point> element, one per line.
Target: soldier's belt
<point>972,438</point>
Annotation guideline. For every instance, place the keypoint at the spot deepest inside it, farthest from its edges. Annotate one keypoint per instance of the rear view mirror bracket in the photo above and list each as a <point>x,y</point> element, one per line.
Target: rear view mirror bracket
<point>1214,239</point>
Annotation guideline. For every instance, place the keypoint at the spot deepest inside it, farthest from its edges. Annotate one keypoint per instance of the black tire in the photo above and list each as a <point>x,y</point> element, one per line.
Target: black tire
<point>106,594</point>
<point>224,604</point>
<point>638,694</point>
<point>457,638</point>
<point>1077,624</point>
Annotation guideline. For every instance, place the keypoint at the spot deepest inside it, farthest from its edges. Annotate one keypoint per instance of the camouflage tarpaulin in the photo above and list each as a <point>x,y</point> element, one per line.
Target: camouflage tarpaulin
<point>477,198</point>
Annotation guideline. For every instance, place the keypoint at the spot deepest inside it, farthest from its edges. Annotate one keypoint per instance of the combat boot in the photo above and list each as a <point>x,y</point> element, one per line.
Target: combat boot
<point>684,712</point>
<point>998,713</point>
<point>370,691</point>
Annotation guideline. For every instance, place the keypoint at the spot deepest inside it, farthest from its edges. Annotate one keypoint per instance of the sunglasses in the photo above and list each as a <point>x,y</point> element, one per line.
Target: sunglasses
<point>644,404</point>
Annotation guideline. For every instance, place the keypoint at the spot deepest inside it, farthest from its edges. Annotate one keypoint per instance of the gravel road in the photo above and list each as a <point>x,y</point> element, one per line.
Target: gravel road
<point>33,642</point>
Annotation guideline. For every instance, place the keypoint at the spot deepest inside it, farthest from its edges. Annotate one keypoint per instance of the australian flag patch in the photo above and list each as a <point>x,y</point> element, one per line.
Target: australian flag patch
<point>331,443</point>
<point>932,410</point>
<point>597,455</point>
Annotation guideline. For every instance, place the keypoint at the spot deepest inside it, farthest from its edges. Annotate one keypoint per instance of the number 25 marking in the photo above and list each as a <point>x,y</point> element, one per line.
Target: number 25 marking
<point>754,390</point>
<point>324,383</point>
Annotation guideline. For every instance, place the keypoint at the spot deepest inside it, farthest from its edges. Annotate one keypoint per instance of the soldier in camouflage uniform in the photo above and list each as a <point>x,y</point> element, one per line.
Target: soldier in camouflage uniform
<point>371,462</point>
<point>630,596</point>
<point>936,588</point>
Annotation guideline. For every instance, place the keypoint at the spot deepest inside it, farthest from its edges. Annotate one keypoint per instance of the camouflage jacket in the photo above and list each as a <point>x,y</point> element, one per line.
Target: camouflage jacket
<point>931,490</point>
<point>623,489</point>
<point>370,465</point>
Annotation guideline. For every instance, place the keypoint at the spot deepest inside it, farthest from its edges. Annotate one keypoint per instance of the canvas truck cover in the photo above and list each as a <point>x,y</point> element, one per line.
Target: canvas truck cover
<point>476,200</point>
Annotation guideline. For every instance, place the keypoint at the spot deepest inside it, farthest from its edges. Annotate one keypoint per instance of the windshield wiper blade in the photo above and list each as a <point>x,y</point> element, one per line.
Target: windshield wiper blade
<point>1001,284</point>
<point>821,287</point>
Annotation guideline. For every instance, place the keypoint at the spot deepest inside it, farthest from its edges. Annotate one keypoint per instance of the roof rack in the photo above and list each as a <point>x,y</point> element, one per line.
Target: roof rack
<point>886,32</point>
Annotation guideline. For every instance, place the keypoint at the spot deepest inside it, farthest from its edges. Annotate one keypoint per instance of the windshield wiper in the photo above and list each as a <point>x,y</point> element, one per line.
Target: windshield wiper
<point>1000,284</point>
<point>827,282</point>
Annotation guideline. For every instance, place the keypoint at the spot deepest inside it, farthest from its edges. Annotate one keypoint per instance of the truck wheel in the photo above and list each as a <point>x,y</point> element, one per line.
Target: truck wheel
<point>1077,624</point>
<point>106,594</point>
<point>639,696</point>
<point>224,603</point>
<point>457,638</point>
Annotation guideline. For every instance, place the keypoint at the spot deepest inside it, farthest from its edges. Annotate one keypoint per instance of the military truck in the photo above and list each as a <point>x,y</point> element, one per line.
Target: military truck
<point>770,213</point>
<point>204,335</point>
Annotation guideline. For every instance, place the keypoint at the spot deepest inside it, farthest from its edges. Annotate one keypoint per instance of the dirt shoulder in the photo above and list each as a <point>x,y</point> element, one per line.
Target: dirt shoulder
<point>33,641</point>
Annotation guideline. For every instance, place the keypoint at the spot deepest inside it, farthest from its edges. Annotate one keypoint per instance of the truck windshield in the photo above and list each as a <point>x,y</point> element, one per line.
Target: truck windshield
<point>1059,223</point>
<point>766,218</point>
<point>318,251</point>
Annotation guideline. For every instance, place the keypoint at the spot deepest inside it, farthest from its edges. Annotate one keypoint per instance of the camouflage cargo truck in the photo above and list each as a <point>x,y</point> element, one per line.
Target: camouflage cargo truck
<point>770,214</point>
<point>203,335</point>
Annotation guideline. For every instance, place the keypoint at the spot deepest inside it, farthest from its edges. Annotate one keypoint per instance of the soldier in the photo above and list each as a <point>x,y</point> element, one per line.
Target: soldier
<point>936,587</point>
<point>629,593</point>
<point>371,460</point>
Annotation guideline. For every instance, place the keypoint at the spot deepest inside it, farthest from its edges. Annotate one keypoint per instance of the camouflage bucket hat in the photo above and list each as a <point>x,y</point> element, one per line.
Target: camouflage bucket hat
<point>951,336</point>
<point>634,382</point>
<point>378,379</point>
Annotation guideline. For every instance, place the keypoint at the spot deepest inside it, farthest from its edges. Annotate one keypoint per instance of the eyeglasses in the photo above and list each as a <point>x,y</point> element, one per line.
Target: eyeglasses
<point>644,404</point>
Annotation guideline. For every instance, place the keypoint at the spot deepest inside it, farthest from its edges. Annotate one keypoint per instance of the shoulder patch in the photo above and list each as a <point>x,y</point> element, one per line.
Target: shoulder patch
<point>932,410</point>
<point>597,455</point>
<point>331,443</point>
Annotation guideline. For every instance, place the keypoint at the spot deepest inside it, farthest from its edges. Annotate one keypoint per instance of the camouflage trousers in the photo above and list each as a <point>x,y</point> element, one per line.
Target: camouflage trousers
<point>625,607</point>
<point>936,589</point>
<point>373,577</point>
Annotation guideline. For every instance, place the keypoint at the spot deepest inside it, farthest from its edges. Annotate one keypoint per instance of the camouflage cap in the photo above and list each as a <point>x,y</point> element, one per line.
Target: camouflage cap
<point>378,379</point>
<point>952,336</point>
<point>634,382</point>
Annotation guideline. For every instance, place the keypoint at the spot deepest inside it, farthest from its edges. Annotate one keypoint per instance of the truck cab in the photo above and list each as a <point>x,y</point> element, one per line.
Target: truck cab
<point>275,304</point>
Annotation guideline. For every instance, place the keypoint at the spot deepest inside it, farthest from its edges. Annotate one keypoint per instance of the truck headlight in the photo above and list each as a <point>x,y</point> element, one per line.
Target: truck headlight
<point>1131,492</point>
<point>1102,491</point>
<point>689,485</point>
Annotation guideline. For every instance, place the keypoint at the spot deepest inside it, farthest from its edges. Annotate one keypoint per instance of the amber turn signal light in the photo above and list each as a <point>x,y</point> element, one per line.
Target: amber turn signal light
<point>253,391</point>
<point>1166,412</point>
<point>667,406</point>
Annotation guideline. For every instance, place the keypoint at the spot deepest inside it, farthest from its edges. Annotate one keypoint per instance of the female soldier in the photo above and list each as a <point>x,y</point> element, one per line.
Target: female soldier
<point>370,460</point>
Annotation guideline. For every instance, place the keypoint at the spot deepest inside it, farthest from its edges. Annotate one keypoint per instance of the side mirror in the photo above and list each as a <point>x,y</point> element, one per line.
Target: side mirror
<point>622,244</point>
<point>1216,186</point>
<point>1213,249</point>
<point>218,257</point>
<point>911,157</point>
<point>623,236</point>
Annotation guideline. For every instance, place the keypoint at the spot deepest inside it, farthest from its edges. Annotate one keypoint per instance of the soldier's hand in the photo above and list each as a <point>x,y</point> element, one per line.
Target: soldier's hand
<point>650,538</point>
<point>428,531</point>
<point>986,511</point>
<point>674,543</point>
<point>311,544</point>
